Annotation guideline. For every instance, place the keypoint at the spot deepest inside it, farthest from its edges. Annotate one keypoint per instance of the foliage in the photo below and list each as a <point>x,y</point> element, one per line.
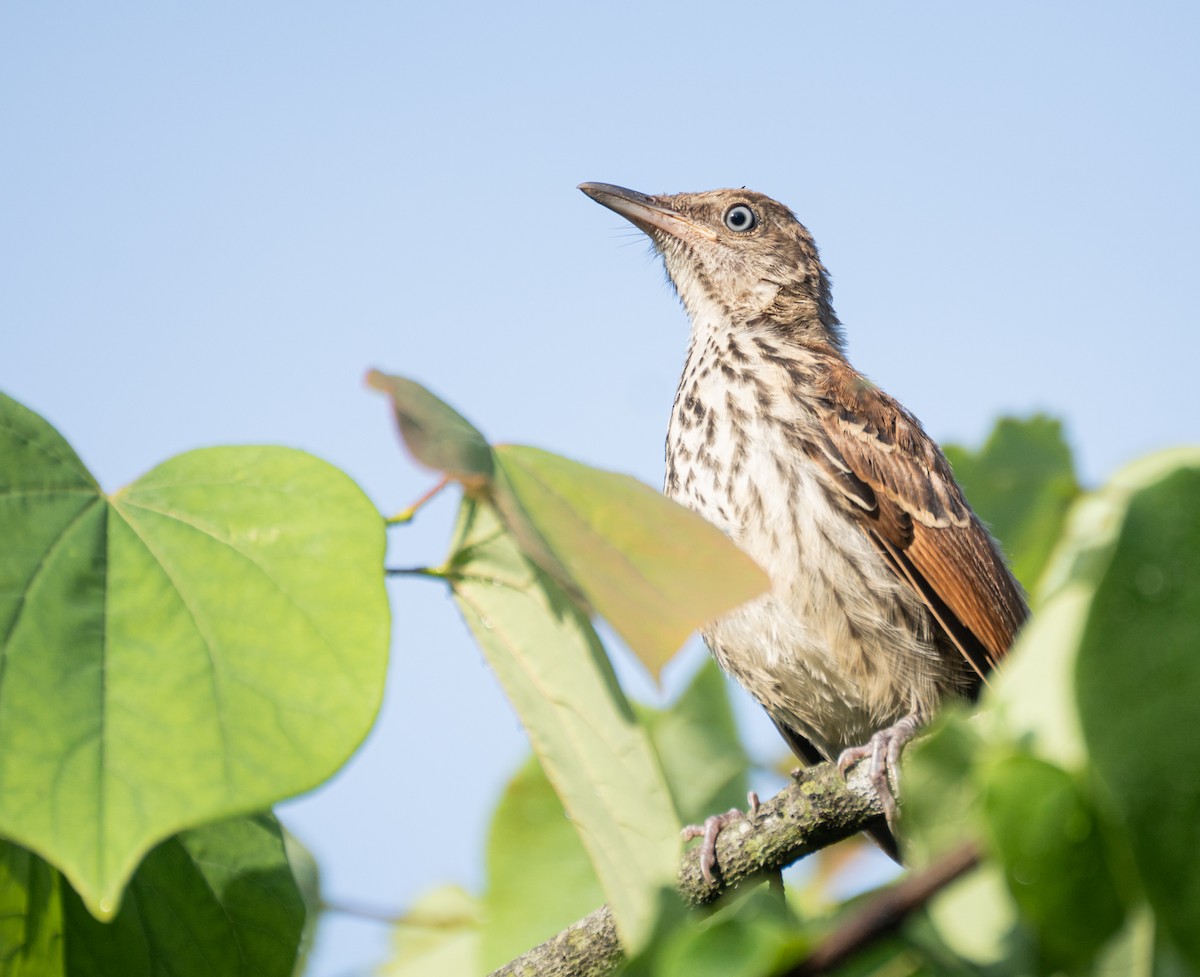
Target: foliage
<point>220,898</point>
<point>1022,481</point>
<point>1075,778</point>
<point>182,654</point>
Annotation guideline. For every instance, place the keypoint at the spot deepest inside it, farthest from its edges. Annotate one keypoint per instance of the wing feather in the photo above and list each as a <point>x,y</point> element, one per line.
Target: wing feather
<point>920,519</point>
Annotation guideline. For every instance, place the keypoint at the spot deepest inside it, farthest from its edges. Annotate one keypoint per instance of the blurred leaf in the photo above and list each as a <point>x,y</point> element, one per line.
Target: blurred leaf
<point>437,435</point>
<point>750,935</point>
<point>943,809</point>
<point>889,958</point>
<point>924,942</point>
<point>219,899</point>
<point>307,878</point>
<point>439,937</point>
<point>211,639</point>
<point>653,569</point>
<point>942,792</point>
<point>540,879</point>
<point>725,948</point>
<point>699,746</point>
<point>214,900</point>
<point>1138,679</point>
<point>976,918</point>
<point>1141,948</point>
<point>558,678</point>
<point>1021,483</point>
<point>31,918</point>
<point>1032,697</point>
<point>1031,703</point>
<point>1047,835</point>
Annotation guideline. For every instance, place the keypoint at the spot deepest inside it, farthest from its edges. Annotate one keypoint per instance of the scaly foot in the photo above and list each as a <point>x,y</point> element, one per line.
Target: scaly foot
<point>712,828</point>
<point>884,751</point>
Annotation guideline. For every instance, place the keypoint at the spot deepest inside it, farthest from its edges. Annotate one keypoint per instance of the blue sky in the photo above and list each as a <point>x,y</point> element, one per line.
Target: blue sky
<point>216,217</point>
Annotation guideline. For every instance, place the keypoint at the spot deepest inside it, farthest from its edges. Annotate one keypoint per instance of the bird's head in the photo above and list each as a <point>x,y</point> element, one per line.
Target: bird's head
<point>735,254</point>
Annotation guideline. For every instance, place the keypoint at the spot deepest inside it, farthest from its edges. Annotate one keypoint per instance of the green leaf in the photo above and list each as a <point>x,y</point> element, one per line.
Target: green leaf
<point>922,940</point>
<point>942,793</point>
<point>699,746</point>
<point>976,919</point>
<point>1021,483</point>
<point>540,879</point>
<point>558,678</point>
<point>1138,681</point>
<point>732,947</point>
<point>437,435</point>
<point>943,809</point>
<point>1032,702</point>
<point>1048,836</point>
<point>1032,694</point>
<point>1141,949</point>
<point>1032,697</point>
<point>753,935</point>
<point>215,900</point>
<point>208,641</point>
<point>307,878</point>
<point>31,918</point>
<point>439,937</point>
<point>653,569</point>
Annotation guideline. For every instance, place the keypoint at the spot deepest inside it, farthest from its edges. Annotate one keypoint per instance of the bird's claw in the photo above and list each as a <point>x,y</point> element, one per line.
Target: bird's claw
<point>883,749</point>
<point>711,828</point>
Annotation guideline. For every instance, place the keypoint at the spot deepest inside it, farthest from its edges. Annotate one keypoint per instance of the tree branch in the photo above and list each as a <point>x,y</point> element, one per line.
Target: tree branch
<point>813,812</point>
<point>883,913</point>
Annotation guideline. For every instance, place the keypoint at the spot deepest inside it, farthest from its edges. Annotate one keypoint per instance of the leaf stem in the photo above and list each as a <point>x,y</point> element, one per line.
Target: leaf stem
<point>361,912</point>
<point>431,572</point>
<point>406,515</point>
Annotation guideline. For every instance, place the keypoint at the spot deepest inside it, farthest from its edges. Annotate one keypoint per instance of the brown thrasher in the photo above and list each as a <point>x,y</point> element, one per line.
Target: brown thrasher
<point>888,595</point>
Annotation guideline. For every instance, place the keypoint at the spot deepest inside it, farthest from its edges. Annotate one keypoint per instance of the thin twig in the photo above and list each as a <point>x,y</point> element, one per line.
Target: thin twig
<point>886,911</point>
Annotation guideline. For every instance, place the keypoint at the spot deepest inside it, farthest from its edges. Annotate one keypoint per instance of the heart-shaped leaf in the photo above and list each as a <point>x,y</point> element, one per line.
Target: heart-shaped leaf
<point>211,639</point>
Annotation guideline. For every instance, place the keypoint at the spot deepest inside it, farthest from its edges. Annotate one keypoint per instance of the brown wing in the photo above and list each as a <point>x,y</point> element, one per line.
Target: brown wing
<point>901,486</point>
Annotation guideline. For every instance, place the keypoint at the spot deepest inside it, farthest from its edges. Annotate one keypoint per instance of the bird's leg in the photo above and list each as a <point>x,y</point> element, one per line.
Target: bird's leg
<point>884,751</point>
<point>711,828</point>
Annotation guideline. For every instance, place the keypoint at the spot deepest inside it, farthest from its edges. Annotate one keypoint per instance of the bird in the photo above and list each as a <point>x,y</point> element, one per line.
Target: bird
<point>888,595</point>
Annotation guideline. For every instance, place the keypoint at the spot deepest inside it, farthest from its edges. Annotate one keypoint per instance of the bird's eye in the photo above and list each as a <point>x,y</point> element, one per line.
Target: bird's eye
<point>739,217</point>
